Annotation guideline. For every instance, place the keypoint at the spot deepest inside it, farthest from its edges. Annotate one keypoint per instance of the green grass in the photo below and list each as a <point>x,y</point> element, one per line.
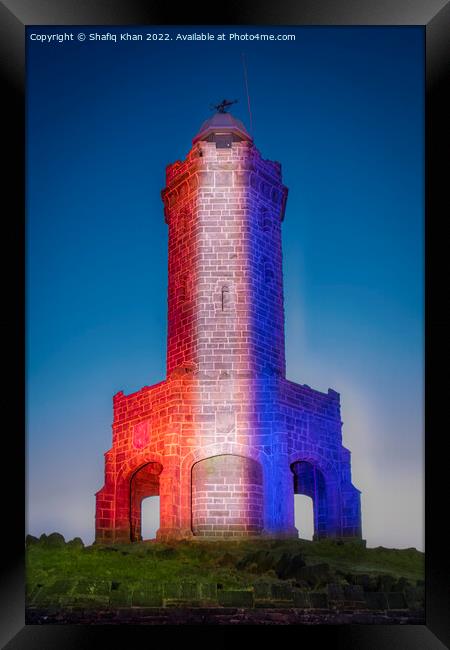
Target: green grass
<point>204,562</point>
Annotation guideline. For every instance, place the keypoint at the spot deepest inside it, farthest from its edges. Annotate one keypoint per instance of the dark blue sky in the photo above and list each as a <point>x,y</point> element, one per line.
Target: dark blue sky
<point>342,109</point>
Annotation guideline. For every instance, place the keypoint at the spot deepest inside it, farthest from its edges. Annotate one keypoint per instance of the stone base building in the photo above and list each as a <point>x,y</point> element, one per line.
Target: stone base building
<point>226,440</point>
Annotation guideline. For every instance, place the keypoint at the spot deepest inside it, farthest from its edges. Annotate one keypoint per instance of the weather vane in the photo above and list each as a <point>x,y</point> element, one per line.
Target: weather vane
<point>222,107</point>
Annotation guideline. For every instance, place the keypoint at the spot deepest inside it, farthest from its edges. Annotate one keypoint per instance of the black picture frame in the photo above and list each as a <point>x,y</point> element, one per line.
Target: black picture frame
<point>434,16</point>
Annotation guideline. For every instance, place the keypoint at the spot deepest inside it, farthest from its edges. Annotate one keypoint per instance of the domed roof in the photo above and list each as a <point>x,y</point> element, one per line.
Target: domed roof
<point>221,123</point>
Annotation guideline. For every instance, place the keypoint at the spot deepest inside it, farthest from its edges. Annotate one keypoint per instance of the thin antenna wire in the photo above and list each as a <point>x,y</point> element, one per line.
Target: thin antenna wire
<point>248,95</point>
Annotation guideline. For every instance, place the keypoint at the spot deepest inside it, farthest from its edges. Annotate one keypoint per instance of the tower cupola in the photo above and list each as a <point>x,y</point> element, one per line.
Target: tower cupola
<point>223,129</point>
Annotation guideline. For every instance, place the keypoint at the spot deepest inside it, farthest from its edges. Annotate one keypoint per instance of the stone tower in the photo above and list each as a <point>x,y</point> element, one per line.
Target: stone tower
<point>226,440</point>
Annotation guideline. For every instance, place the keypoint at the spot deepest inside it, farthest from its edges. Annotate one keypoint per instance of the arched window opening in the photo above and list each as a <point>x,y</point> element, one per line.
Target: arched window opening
<point>225,298</point>
<point>183,221</point>
<point>264,219</point>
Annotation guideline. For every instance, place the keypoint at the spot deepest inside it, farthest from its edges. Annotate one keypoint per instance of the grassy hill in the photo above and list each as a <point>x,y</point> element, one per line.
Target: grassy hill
<point>57,571</point>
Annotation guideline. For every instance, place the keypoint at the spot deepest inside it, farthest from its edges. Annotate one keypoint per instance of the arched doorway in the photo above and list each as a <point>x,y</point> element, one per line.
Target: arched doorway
<point>304,516</point>
<point>227,497</point>
<point>144,483</point>
<point>150,518</point>
<point>310,482</point>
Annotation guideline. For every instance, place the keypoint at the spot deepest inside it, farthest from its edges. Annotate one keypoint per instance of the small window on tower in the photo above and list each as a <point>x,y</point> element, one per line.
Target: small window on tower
<point>268,273</point>
<point>222,140</point>
<point>182,290</point>
<point>264,219</point>
<point>226,298</point>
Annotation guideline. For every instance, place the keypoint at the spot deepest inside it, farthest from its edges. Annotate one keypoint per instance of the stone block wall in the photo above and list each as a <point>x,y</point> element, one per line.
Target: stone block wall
<point>225,302</point>
<point>184,420</point>
<point>227,497</point>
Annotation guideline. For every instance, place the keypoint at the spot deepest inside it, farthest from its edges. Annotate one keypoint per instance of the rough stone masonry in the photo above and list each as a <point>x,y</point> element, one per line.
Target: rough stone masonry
<point>226,440</point>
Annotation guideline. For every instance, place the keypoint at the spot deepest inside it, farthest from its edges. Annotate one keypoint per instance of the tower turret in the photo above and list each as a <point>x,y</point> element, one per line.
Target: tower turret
<point>224,206</point>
